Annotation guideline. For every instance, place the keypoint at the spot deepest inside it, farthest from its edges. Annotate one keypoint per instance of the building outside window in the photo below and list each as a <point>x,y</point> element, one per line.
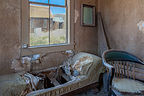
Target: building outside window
<point>48,22</point>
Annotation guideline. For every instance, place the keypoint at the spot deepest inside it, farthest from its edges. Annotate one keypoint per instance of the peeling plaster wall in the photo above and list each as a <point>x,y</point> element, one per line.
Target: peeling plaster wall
<point>10,28</point>
<point>51,60</point>
<point>120,19</point>
<point>10,25</point>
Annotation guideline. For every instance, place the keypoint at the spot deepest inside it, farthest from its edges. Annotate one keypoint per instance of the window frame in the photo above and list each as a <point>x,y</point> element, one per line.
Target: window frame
<point>25,36</point>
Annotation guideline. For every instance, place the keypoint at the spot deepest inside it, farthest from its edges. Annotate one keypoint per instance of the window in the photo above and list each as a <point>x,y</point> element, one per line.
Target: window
<point>48,22</point>
<point>43,33</point>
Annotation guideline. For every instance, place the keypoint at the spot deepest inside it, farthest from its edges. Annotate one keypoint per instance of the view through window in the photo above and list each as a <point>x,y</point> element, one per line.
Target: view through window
<point>48,22</point>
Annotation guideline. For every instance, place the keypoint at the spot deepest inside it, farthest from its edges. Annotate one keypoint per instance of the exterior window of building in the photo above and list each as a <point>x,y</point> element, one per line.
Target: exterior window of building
<point>48,22</point>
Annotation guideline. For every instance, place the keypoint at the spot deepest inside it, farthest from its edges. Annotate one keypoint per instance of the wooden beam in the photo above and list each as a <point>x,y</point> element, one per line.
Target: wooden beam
<point>67,78</point>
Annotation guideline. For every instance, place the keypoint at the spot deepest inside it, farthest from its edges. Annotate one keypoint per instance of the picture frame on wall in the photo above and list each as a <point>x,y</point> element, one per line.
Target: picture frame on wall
<point>88,15</point>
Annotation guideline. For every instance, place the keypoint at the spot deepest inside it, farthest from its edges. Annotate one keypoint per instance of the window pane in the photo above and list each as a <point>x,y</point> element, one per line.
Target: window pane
<point>58,25</point>
<point>39,1</point>
<point>57,2</point>
<point>39,25</point>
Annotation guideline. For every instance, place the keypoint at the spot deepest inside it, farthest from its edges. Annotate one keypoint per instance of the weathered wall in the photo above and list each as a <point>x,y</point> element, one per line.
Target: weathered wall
<point>86,37</point>
<point>10,25</point>
<point>10,28</point>
<point>120,19</point>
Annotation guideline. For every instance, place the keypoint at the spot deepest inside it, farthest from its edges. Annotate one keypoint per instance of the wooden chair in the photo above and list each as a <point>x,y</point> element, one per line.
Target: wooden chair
<point>122,69</point>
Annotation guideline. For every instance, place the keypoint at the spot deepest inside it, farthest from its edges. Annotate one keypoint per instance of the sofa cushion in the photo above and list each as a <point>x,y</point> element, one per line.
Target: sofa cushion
<point>128,85</point>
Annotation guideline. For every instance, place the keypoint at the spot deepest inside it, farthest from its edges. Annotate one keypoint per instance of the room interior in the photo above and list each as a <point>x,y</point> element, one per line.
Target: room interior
<point>90,27</point>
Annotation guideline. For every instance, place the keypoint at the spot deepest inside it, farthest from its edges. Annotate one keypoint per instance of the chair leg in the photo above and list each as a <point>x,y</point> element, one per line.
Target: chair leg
<point>111,93</point>
<point>105,82</point>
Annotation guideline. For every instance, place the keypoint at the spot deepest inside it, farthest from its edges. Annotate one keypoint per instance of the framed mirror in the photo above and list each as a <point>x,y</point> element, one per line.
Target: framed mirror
<point>88,15</point>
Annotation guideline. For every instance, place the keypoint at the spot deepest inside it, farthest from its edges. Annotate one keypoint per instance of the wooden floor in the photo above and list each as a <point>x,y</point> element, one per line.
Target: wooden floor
<point>93,92</point>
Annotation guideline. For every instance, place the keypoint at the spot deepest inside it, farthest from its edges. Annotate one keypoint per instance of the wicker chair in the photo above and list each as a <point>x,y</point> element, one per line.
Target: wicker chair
<point>122,69</point>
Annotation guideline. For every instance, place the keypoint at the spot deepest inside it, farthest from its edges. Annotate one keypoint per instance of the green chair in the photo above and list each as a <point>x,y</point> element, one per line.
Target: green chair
<point>124,73</point>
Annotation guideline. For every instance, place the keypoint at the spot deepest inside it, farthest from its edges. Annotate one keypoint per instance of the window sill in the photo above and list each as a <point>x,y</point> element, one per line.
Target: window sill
<point>46,49</point>
<point>52,45</point>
